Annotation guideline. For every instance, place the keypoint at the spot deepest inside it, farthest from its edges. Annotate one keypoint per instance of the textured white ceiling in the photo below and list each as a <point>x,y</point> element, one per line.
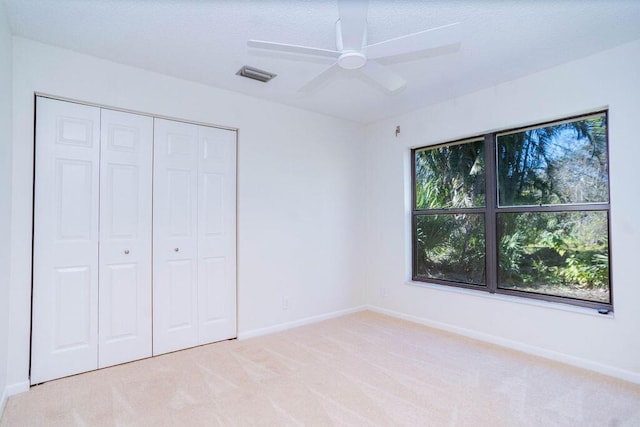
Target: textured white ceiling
<point>205,41</point>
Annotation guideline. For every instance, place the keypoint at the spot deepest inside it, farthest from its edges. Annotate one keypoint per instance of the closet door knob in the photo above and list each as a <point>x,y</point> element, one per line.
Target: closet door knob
<point>126,251</point>
<point>176,250</point>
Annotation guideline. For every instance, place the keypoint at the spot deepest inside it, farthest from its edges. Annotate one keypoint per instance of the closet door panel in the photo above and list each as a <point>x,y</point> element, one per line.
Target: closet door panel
<point>175,293</point>
<point>125,237</point>
<point>216,234</point>
<point>65,258</point>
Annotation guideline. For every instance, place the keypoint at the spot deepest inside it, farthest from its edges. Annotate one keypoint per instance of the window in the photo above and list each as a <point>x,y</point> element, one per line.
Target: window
<point>522,212</point>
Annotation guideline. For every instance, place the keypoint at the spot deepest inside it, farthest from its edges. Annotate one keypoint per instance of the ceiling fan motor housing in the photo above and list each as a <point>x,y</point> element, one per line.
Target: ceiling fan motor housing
<point>352,60</point>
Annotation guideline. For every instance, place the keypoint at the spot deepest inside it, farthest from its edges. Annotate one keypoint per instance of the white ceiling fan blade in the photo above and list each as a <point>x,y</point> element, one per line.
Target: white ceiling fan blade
<point>384,77</point>
<point>292,48</point>
<point>320,79</point>
<point>423,40</point>
<point>353,23</point>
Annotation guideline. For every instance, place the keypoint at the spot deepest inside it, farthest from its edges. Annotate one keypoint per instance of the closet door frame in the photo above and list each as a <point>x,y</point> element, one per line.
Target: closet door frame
<point>55,97</point>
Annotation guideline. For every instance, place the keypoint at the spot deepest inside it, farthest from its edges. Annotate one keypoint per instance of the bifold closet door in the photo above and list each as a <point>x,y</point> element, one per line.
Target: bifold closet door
<point>100,207</point>
<point>175,292</point>
<point>65,258</point>
<point>194,235</point>
<point>125,237</point>
<point>216,234</point>
<point>92,239</point>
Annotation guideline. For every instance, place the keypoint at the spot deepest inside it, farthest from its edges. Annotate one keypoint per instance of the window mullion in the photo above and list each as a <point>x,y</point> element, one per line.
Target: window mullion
<point>491,190</point>
<point>414,244</point>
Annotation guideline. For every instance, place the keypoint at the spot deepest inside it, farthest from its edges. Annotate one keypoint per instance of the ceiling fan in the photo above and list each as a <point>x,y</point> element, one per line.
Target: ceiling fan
<point>353,53</point>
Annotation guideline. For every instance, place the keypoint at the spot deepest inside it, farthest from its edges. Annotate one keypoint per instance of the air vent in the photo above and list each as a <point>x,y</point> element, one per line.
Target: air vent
<point>255,74</point>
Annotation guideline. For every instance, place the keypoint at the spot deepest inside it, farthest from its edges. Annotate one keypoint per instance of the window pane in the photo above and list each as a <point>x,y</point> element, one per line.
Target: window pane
<point>559,164</point>
<point>450,247</point>
<point>450,176</point>
<point>555,253</point>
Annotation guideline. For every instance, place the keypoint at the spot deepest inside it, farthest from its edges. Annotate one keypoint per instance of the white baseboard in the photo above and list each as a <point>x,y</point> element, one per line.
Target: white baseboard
<point>609,370</point>
<point>300,322</point>
<point>3,401</point>
<point>17,388</point>
<point>10,390</point>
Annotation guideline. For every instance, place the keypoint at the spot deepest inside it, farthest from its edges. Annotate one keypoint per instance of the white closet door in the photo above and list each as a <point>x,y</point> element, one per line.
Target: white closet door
<point>126,145</point>
<point>65,269</point>
<point>175,307</point>
<point>216,234</point>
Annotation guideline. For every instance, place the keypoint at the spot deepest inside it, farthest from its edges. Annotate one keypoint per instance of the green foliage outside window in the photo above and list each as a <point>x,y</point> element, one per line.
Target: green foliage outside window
<point>450,176</point>
<point>555,253</point>
<point>553,165</point>
<point>452,247</point>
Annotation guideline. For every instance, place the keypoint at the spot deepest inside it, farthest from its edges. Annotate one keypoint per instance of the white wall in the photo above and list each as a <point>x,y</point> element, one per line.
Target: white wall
<point>607,344</point>
<point>5,191</point>
<point>299,185</point>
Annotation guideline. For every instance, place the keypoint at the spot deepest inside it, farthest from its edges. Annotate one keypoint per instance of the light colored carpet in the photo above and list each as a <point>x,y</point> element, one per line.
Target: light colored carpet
<point>362,369</point>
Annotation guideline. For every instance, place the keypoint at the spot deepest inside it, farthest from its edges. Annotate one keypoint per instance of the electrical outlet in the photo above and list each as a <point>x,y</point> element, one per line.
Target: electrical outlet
<point>285,303</point>
<point>384,292</point>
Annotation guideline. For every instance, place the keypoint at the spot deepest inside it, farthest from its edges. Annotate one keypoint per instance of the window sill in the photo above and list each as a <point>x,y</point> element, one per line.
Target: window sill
<point>513,299</point>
